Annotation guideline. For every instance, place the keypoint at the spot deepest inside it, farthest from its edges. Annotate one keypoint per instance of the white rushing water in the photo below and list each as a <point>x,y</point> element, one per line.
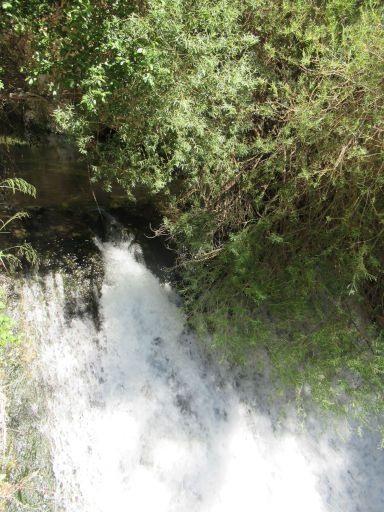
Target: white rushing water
<point>139,422</point>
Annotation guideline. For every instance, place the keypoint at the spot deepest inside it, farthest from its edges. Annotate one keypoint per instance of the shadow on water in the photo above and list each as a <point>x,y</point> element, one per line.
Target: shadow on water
<point>69,214</point>
<point>70,211</point>
<point>349,468</point>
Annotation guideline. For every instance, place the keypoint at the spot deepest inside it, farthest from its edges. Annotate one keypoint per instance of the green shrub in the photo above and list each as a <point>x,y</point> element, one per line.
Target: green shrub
<point>257,128</point>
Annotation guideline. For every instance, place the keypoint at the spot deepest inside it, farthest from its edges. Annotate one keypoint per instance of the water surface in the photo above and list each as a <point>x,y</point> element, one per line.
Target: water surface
<point>138,416</point>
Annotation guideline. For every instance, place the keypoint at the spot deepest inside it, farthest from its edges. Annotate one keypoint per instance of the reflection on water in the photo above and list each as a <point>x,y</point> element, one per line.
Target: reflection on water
<point>69,210</point>
<point>59,174</point>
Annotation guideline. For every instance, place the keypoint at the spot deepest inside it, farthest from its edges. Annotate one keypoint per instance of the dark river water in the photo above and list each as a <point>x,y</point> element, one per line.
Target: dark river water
<point>69,210</point>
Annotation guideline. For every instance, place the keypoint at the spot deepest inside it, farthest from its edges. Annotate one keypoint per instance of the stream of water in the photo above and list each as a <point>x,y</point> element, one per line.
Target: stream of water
<point>138,420</point>
<point>137,416</point>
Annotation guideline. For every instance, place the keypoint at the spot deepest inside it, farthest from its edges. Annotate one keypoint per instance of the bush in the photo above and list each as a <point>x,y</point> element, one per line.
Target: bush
<point>257,127</point>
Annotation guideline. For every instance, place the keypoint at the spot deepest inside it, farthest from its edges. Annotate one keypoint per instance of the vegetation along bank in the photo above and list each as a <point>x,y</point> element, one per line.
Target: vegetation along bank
<point>256,127</point>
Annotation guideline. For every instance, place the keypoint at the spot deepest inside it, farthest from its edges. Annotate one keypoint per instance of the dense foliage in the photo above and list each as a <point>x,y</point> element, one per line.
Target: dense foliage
<point>257,126</point>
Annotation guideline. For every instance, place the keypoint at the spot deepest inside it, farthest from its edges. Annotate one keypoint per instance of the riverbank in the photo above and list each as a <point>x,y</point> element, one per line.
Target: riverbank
<point>26,477</point>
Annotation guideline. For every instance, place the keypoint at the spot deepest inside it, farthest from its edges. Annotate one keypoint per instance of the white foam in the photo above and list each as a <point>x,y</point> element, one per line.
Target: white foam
<point>138,423</point>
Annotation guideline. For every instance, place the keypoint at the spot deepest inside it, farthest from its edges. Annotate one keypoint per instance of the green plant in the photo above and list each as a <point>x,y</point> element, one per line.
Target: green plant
<point>25,474</point>
<point>12,255</point>
<point>257,129</point>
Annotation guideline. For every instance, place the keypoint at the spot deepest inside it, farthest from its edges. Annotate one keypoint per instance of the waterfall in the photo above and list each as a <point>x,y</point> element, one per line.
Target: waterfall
<point>139,420</point>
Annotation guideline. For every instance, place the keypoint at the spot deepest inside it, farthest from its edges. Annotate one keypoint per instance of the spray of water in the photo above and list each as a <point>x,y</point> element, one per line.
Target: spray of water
<point>138,421</point>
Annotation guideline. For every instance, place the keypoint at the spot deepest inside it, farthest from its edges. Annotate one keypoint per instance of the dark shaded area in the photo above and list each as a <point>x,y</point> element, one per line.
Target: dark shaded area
<point>70,211</point>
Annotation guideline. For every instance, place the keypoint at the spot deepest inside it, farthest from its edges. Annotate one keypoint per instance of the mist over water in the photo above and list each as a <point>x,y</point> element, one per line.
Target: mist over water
<point>139,421</point>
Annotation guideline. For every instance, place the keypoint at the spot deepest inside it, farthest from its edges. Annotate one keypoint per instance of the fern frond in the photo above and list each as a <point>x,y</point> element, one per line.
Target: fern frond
<point>7,258</point>
<point>19,185</point>
<point>16,216</point>
<point>12,256</point>
<point>28,252</point>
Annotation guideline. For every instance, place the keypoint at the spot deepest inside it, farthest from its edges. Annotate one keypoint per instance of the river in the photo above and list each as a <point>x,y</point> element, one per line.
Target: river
<point>136,412</point>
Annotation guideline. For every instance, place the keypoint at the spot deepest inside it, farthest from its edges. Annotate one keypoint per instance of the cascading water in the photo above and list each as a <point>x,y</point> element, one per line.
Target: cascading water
<point>139,421</point>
